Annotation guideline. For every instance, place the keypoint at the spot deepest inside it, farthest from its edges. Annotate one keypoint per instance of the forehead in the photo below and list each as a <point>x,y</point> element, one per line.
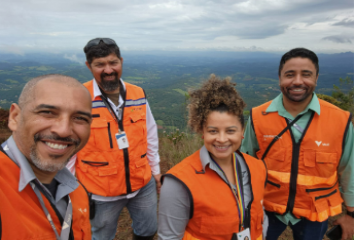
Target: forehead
<point>111,57</point>
<point>222,118</point>
<point>63,95</point>
<point>298,63</point>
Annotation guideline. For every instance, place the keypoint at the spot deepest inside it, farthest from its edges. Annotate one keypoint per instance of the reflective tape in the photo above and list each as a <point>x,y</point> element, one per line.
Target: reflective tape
<point>304,180</point>
<point>138,102</point>
<point>98,104</point>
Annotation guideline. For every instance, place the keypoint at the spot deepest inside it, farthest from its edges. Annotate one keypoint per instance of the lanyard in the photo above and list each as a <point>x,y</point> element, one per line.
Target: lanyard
<point>64,235</point>
<point>239,186</point>
<point>109,107</point>
<point>295,125</point>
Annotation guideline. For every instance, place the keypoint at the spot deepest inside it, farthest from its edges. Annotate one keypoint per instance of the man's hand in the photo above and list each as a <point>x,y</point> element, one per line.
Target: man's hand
<point>347,225</point>
<point>157,179</point>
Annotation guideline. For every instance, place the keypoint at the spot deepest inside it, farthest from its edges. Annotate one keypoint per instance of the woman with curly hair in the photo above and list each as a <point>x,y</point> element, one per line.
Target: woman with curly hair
<point>217,192</point>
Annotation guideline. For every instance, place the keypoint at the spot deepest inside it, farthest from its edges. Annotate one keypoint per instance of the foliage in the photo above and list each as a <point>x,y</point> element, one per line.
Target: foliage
<point>173,153</point>
<point>342,95</point>
<point>175,136</point>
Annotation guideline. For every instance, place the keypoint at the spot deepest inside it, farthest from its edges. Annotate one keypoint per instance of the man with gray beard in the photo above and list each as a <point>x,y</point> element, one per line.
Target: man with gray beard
<point>39,197</point>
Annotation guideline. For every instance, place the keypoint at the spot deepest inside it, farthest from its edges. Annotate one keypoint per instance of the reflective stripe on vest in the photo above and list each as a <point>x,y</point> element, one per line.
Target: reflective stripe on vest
<point>215,216</point>
<point>302,177</point>
<point>104,169</point>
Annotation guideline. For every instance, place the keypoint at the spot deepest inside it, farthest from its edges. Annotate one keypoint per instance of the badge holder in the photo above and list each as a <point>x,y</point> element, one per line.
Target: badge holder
<point>122,140</point>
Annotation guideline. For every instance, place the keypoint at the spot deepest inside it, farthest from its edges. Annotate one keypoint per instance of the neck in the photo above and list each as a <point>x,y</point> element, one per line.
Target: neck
<point>43,177</point>
<point>294,108</point>
<point>224,162</point>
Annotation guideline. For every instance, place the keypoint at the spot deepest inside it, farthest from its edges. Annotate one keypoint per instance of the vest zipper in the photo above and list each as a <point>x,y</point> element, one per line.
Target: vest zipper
<point>294,165</point>
<point>274,184</point>
<point>125,156</point>
<point>327,195</point>
<point>109,134</point>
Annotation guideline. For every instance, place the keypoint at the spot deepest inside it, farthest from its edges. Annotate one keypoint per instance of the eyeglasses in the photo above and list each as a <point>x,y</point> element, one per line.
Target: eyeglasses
<point>96,41</point>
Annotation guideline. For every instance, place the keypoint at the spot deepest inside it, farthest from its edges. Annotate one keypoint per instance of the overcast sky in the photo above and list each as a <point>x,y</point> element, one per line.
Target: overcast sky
<point>325,26</point>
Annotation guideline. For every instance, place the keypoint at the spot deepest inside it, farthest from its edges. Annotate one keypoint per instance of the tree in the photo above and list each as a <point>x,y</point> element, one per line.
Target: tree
<point>342,96</point>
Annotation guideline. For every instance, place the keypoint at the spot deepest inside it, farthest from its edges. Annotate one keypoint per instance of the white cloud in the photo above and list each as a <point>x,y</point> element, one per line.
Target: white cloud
<point>177,24</point>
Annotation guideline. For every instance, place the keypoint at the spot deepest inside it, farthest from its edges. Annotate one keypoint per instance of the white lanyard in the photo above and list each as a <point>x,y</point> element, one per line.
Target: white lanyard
<point>64,235</point>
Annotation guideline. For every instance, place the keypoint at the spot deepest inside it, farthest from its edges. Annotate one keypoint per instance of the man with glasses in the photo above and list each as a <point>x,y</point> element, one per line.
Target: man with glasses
<point>120,164</point>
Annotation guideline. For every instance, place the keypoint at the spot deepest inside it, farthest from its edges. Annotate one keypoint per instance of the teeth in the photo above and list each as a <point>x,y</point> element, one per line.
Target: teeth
<point>297,90</point>
<point>56,146</point>
<point>221,147</point>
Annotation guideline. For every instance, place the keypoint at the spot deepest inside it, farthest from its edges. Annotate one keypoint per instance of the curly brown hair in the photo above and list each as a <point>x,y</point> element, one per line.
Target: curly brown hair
<point>214,95</point>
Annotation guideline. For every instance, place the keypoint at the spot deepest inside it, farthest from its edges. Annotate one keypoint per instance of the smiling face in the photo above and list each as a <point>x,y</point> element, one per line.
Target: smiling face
<point>222,135</point>
<point>298,79</point>
<point>53,125</point>
<point>107,71</point>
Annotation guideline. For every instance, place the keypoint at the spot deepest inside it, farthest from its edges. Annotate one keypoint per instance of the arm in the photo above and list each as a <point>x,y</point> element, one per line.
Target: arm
<point>153,147</point>
<point>250,144</point>
<point>346,180</point>
<point>174,210</point>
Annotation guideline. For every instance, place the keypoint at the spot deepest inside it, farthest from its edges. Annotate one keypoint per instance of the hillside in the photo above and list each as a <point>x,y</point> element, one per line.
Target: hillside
<point>167,76</point>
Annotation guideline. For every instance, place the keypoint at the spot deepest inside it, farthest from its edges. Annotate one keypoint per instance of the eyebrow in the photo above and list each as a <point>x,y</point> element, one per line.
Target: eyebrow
<point>217,127</point>
<point>41,106</point>
<point>291,71</point>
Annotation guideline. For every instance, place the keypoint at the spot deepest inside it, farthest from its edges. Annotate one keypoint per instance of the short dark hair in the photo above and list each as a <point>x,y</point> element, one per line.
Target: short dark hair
<point>302,53</point>
<point>101,50</point>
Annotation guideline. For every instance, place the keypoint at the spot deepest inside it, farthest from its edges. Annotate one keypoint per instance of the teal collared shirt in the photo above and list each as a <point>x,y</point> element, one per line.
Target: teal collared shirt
<point>346,165</point>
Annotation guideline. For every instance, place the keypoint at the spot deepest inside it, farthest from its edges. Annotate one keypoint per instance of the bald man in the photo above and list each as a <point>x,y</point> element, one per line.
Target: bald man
<point>39,197</point>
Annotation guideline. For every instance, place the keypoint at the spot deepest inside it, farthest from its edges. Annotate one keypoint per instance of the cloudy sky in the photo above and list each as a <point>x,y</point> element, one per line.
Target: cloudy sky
<point>325,26</point>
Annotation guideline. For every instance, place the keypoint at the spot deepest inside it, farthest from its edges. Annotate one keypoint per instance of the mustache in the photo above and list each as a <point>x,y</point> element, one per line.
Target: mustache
<point>39,137</point>
<point>108,75</point>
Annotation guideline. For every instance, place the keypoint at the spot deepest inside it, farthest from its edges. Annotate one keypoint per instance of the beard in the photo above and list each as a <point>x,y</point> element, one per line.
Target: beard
<point>285,91</point>
<point>52,164</point>
<point>109,86</point>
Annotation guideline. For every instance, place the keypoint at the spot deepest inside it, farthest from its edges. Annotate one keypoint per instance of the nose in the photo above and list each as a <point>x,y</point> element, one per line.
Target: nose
<point>62,127</point>
<point>108,69</point>
<point>222,137</point>
<point>298,80</point>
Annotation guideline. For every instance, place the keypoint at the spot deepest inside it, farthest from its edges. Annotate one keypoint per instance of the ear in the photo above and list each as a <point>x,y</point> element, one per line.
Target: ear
<point>121,60</point>
<point>88,65</point>
<point>317,79</point>
<point>14,117</point>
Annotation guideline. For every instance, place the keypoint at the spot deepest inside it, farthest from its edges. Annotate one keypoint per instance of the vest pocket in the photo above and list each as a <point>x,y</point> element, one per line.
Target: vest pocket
<point>326,162</point>
<point>273,184</point>
<point>323,203</point>
<point>100,137</point>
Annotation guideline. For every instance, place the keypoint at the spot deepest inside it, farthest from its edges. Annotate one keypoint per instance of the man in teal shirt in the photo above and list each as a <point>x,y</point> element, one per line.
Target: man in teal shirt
<point>298,75</point>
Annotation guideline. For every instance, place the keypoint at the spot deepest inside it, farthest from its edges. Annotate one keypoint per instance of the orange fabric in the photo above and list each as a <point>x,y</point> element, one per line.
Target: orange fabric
<point>100,165</point>
<point>22,215</point>
<point>318,160</point>
<point>215,213</point>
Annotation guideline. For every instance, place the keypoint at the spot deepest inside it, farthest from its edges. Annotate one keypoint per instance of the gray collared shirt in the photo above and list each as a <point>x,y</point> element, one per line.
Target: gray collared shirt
<point>66,181</point>
<point>174,202</point>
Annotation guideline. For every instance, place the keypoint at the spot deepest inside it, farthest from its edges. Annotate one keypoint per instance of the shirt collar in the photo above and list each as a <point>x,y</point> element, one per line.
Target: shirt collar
<point>66,180</point>
<point>277,106</point>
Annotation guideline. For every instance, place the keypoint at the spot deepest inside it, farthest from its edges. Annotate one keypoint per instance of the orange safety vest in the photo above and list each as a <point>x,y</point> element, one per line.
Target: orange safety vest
<point>302,177</point>
<point>101,166</point>
<point>213,212</point>
<point>21,213</point>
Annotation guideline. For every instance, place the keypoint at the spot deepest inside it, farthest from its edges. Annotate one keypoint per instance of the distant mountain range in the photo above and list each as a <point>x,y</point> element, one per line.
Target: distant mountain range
<point>167,76</point>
